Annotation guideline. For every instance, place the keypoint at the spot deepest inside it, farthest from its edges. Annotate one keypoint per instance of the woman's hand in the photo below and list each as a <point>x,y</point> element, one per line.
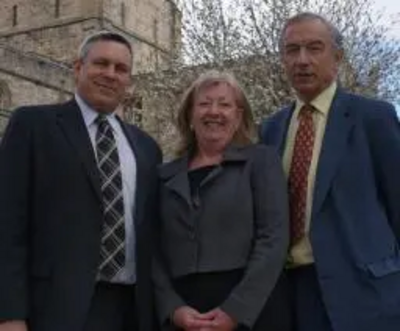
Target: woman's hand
<point>190,319</point>
<point>222,321</point>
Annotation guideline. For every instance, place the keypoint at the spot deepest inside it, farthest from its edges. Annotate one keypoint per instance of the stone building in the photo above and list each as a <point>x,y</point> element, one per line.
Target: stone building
<point>39,39</point>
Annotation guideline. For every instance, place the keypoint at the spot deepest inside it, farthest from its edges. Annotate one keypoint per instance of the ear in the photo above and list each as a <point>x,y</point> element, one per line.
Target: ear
<point>339,56</point>
<point>239,118</point>
<point>77,66</point>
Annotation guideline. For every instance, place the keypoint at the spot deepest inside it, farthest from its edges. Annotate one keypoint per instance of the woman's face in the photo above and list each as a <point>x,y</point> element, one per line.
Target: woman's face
<point>215,115</point>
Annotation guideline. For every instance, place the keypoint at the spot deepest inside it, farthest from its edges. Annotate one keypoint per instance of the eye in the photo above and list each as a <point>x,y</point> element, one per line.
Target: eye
<point>292,49</point>
<point>204,103</point>
<point>225,104</point>
<point>315,47</point>
<point>102,63</point>
<point>122,69</point>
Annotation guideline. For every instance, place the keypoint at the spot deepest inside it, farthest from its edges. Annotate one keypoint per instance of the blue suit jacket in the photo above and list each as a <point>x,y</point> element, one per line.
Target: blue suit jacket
<point>355,225</point>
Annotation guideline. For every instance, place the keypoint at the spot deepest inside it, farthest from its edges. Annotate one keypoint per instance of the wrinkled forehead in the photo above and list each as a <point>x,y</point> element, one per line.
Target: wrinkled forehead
<point>307,31</point>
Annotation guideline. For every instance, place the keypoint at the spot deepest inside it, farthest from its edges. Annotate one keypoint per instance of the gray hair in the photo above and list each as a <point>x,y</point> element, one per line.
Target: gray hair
<point>104,35</point>
<point>337,37</point>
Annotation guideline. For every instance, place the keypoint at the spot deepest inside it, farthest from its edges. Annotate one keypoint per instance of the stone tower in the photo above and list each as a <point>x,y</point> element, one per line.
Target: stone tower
<point>54,28</point>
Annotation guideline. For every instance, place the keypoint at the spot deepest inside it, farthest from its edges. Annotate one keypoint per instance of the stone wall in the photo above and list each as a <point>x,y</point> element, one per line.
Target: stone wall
<point>151,25</point>
<point>33,80</point>
<point>33,13</point>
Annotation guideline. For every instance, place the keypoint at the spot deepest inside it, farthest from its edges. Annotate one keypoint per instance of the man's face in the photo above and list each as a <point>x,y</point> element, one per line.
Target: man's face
<point>310,59</point>
<point>103,75</point>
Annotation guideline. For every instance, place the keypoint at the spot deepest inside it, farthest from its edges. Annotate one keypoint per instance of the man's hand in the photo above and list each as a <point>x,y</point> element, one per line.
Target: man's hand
<point>13,326</point>
<point>190,319</point>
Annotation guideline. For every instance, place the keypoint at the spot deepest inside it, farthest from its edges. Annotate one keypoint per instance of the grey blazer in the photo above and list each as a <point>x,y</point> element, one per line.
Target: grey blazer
<point>238,219</point>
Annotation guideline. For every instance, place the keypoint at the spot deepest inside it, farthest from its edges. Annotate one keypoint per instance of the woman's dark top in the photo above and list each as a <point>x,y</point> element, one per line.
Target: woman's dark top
<point>196,176</point>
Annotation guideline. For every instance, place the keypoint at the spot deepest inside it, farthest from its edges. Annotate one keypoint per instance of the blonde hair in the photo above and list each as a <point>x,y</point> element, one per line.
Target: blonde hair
<point>246,131</point>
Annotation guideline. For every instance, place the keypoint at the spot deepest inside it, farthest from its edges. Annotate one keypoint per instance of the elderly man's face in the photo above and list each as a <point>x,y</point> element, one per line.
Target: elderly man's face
<point>310,59</point>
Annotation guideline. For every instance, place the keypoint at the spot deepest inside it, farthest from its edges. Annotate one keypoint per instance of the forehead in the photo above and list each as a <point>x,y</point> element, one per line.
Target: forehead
<point>215,87</point>
<point>307,31</point>
<point>109,49</point>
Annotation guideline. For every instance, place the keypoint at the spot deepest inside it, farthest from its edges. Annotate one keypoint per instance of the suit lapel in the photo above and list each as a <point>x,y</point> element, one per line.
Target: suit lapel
<point>282,129</point>
<point>70,119</point>
<point>141,166</point>
<point>336,135</point>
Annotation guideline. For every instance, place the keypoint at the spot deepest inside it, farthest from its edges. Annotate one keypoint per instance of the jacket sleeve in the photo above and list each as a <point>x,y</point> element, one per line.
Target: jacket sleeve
<point>167,300</point>
<point>15,185</point>
<point>271,239</point>
<point>383,131</point>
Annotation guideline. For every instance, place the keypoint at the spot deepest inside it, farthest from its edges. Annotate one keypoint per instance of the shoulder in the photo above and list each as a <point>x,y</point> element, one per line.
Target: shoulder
<point>141,134</point>
<point>277,116</point>
<point>262,156</point>
<point>274,120</point>
<point>370,108</point>
<point>146,140</point>
<point>34,114</point>
<point>171,168</point>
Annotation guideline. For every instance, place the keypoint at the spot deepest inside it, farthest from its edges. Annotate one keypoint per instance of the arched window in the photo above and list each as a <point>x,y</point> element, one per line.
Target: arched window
<point>133,110</point>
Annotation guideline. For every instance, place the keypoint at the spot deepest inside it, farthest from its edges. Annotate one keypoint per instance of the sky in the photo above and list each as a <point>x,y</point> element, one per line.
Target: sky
<point>391,7</point>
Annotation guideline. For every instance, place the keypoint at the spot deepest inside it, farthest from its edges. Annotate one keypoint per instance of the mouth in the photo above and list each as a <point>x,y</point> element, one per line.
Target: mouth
<point>303,75</point>
<point>106,88</point>
<point>213,124</point>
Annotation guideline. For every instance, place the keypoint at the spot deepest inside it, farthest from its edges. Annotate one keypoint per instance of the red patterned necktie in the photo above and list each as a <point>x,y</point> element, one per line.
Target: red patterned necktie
<point>299,169</point>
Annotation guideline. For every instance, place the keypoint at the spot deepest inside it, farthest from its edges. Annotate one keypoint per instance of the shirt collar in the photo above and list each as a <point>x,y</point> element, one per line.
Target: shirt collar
<point>90,115</point>
<point>322,103</point>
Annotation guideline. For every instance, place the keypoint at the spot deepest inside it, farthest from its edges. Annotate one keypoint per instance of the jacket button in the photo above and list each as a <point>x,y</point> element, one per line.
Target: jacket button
<point>196,201</point>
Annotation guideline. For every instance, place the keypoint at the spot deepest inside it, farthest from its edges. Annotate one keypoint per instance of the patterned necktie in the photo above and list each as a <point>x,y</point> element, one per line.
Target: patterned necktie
<point>112,249</point>
<point>299,169</point>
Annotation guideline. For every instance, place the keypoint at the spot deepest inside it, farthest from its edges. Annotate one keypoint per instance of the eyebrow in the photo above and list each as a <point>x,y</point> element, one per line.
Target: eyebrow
<point>307,43</point>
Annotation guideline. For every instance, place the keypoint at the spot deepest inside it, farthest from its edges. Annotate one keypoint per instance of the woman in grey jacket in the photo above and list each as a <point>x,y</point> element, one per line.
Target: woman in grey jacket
<point>223,230</point>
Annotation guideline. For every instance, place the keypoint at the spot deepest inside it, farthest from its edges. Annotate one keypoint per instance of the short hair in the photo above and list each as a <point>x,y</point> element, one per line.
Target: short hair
<point>336,36</point>
<point>103,35</point>
<point>246,132</point>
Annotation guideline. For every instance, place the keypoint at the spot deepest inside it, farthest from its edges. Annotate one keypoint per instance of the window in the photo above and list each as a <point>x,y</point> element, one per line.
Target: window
<point>5,96</point>
<point>57,9</point>
<point>133,110</point>
<point>15,15</point>
<point>123,15</point>
<point>5,104</point>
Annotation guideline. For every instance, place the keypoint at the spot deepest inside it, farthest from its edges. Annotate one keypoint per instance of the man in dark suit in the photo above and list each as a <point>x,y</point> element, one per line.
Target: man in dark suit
<point>341,153</point>
<point>78,192</point>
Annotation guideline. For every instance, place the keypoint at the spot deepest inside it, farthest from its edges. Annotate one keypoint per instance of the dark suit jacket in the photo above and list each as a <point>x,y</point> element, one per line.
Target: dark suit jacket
<point>239,219</point>
<point>51,218</point>
<point>355,225</point>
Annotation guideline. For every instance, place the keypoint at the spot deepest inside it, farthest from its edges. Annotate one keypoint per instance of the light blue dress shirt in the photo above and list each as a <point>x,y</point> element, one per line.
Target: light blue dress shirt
<point>127,275</point>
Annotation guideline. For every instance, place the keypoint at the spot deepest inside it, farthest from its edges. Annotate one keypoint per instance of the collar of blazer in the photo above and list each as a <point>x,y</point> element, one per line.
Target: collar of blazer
<point>180,165</point>
<point>174,174</point>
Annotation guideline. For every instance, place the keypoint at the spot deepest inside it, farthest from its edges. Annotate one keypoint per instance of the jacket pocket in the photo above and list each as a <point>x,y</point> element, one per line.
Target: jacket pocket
<point>381,268</point>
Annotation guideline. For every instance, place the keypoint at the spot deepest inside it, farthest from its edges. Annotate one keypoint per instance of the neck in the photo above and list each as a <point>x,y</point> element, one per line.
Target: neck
<point>207,155</point>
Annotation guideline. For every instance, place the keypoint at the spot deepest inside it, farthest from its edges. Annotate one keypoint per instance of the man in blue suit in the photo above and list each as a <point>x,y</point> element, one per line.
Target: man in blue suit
<point>341,153</point>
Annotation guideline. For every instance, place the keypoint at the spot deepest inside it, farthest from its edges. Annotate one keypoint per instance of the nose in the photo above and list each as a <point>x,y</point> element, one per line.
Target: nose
<point>214,108</point>
<point>303,56</point>
<point>110,71</point>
